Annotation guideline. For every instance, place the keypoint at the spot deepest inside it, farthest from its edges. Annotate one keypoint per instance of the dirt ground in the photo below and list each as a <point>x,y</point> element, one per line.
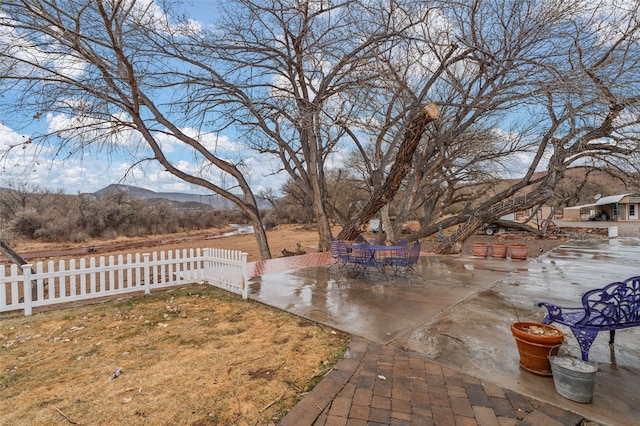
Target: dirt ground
<point>281,237</point>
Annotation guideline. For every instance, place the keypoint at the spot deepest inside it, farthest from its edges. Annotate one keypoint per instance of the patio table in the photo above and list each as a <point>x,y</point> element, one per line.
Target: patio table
<point>366,255</point>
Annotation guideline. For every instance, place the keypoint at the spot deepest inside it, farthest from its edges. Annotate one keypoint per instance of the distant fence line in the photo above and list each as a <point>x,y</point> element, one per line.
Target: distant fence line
<point>53,282</point>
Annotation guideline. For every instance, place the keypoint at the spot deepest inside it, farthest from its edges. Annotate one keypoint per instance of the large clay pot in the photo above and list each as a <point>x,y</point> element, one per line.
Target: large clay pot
<point>499,251</point>
<point>518,251</point>
<point>480,249</point>
<point>536,342</point>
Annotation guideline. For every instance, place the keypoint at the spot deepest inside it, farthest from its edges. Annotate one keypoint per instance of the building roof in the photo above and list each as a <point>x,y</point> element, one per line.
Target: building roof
<point>612,199</point>
<point>579,207</point>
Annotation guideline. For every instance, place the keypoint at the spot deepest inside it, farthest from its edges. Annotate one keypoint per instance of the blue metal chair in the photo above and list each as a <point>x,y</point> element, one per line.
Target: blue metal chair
<point>340,254</point>
<point>405,261</point>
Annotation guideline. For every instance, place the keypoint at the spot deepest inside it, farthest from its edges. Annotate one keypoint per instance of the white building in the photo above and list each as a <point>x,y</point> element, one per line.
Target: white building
<point>613,207</point>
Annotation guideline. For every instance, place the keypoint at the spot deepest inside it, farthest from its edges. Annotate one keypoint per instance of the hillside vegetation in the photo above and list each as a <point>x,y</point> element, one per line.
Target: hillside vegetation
<point>61,218</point>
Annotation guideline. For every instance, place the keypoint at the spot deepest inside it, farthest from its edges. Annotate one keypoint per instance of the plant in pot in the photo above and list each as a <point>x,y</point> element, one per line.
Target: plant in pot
<point>536,342</point>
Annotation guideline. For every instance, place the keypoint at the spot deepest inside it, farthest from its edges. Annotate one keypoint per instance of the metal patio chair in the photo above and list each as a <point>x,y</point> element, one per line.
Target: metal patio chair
<point>406,261</point>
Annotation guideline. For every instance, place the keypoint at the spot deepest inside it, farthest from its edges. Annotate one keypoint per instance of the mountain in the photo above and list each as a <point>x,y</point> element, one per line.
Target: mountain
<point>600,182</point>
<point>215,201</point>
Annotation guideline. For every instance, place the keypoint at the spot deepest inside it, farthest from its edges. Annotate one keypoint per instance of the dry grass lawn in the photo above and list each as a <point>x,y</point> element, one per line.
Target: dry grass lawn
<point>190,356</point>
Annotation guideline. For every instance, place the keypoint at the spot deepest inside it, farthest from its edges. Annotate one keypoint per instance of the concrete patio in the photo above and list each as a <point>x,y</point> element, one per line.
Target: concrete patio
<point>456,312</point>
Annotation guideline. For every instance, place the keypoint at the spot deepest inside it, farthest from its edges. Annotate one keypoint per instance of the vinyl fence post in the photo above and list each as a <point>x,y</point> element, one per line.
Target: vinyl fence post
<point>146,274</point>
<point>26,276</point>
<point>245,287</point>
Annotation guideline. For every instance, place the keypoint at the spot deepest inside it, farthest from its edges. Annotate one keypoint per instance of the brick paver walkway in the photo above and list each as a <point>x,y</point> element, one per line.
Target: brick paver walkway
<point>381,385</point>
<point>260,267</point>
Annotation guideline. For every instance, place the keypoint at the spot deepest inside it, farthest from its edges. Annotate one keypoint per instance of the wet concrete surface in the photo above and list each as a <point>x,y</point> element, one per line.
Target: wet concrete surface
<point>372,306</point>
<point>457,312</point>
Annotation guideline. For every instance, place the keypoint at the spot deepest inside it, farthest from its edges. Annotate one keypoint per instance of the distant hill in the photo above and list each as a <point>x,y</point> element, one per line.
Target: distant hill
<point>601,182</point>
<point>215,201</point>
<point>598,182</point>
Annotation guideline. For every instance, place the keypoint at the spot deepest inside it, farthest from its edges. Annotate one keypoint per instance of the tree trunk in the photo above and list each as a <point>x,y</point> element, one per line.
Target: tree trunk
<point>261,239</point>
<point>318,191</point>
<point>323,226</point>
<point>400,168</point>
<point>250,207</point>
<point>10,254</point>
<point>385,223</point>
<point>453,244</point>
<point>14,257</point>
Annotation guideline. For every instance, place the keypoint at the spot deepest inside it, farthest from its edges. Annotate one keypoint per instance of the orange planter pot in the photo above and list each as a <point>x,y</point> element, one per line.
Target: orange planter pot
<point>480,249</point>
<point>535,349</point>
<point>518,251</point>
<point>499,251</point>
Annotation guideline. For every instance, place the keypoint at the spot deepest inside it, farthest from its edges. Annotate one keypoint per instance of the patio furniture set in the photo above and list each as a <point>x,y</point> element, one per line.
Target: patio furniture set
<point>360,257</point>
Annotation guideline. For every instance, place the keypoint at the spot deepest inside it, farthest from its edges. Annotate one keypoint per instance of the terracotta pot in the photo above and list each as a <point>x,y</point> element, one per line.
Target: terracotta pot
<point>535,349</point>
<point>480,249</point>
<point>518,251</point>
<point>499,251</point>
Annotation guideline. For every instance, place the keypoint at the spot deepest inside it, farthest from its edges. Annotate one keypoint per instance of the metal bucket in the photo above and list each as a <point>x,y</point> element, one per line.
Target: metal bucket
<point>574,379</point>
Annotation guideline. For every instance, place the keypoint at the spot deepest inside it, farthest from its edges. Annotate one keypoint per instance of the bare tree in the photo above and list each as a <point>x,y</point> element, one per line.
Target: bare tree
<point>115,70</point>
<point>563,78</point>
<point>300,76</point>
<point>583,93</point>
<point>398,171</point>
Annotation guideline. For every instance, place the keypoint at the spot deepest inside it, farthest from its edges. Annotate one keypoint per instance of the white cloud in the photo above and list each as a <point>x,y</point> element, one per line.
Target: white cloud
<point>150,14</point>
<point>9,138</point>
<point>39,166</point>
<point>32,57</point>
<point>215,144</point>
<point>97,130</point>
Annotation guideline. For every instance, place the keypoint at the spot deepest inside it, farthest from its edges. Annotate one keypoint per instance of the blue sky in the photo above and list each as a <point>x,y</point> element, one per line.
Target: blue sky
<point>37,166</point>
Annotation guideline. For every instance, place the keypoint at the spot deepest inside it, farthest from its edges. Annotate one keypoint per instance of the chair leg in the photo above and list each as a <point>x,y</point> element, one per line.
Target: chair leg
<point>612,336</point>
<point>338,264</point>
<point>400,271</point>
<point>383,270</point>
<point>585,340</point>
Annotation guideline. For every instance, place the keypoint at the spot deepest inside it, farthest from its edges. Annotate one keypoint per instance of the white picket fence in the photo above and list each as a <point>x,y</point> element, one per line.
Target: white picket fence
<point>58,282</point>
